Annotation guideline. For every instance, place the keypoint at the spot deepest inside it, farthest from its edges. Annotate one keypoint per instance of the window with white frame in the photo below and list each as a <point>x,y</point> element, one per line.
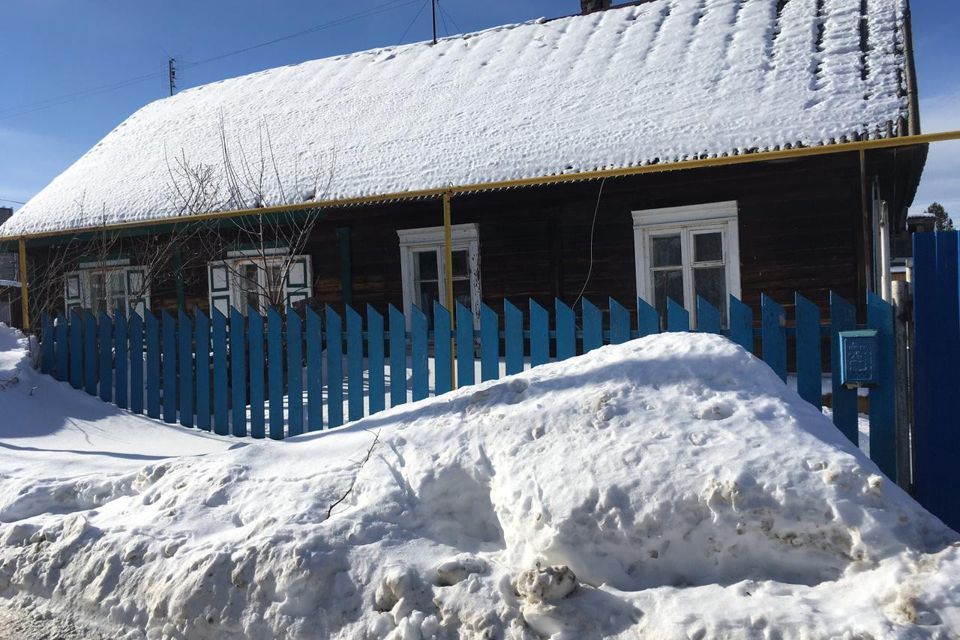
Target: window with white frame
<point>685,252</point>
<point>250,279</point>
<point>105,286</point>
<point>424,268</point>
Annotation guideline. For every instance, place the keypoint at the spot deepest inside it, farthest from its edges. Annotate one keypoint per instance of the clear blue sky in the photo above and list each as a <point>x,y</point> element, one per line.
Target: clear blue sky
<point>54,48</point>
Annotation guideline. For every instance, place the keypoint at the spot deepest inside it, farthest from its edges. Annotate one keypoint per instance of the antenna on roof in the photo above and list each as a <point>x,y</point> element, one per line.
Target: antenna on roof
<point>433,6</point>
<point>172,74</point>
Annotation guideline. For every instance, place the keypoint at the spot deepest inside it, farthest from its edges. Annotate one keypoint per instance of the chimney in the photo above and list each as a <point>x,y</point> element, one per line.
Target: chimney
<point>589,6</point>
<point>5,213</point>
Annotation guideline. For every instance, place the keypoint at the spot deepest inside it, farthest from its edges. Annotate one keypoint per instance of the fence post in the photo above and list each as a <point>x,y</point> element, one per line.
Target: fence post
<point>843,317</point>
<point>882,399</point>
<point>773,335</point>
<point>314,372</point>
<point>809,362</point>
<point>335,368</point>
<point>513,337</point>
<point>741,324</point>
<point>169,365</point>
<point>202,338</point>
<point>136,362</point>
<point>592,326</point>
<point>220,401</point>
<point>275,372</point>
<point>255,370</point>
<point>354,364</point>
<point>375,361</point>
<point>294,373</point>
<point>105,330</point>
<point>63,348</point>
<point>153,365</point>
<point>90,353</point>
<point>238,373</point>
<point>620,322</point>
<point>442,353</point>
<point>489,344</point>
<point>420,377</point>
<point>466,374</point>
<point>539,335</point>
<point>47,353</point>
<point>903,336</point>
<point>398,357</point>
<point>120,358</point>
<point>185,336</point>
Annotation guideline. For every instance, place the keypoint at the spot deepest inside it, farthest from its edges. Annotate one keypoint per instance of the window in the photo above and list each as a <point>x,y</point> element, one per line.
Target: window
<point>103,287</point>
<point>423,266</point>
<point>248,280</point>
<point>685,252</point>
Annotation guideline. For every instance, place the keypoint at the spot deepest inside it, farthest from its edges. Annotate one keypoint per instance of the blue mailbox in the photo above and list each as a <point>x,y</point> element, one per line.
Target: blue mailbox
<point>859,358</point>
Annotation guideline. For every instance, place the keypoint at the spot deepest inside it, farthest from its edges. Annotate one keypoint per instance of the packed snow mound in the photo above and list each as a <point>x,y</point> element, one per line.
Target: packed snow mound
<point>671,487</point>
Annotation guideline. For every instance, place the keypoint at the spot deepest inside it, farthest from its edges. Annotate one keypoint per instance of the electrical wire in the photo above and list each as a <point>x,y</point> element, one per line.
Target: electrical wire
<point>446,29</point>
<point>447,13</point>
<point>13,201</point>
<point>593,227</point>
<point>412,22</point>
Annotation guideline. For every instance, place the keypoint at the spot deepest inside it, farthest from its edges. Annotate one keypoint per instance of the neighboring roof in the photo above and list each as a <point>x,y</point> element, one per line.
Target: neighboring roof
<point>660,81</point>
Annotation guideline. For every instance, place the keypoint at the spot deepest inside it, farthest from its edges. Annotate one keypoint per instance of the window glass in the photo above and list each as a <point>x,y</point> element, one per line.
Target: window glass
<point>461,264</point>
<point>426,265</point>
<point>118,291</point>
<point>249,273</point>
<point>667,283</point>
<point>708,247</point>
<point>462,293</point>
<point>98,292</point>
<point>666,251</point>
<point>711,284</point>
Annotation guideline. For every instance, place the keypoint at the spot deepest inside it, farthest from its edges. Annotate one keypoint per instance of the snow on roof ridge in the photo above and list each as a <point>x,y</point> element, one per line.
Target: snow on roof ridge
<point>653,82</point>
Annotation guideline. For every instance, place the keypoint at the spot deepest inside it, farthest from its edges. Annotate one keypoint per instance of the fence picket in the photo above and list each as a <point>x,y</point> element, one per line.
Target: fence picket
<point>465,355</point>
<point>566,331</point>
<point>354,364</point>
<point>275,372</point>
<point>168,363</point>
<point>256,362</point>
<point>773,335</point>
<point>153,366</point>
<point>592,326</point>
<point>238,373</point>
<point>678,318</point>
<point>619,322</point>
<point>294,373</point>
<point>105,356</point>
<point>136,362</point>
<point>47,347</point>
<point>90,354</point>
<point>442,353</point>
<point>221,401</point>
<point>809,363</point>
<point>334,342</point>
<point>398,357</point>
<point>648,320</point>
<point>375,371</point>
<point>314,371</point>
<point>843,317</point>
<point>883,435</point>
<point>121,382</point>
<point>741,323</point>
<point>489,344</point>
<point>185,394</point>
<point>63,349</point>
<point>708,317</point>
<point>513,337</point>
<point>539,334</point>
<point>418,348</point>
<point>201,330</point>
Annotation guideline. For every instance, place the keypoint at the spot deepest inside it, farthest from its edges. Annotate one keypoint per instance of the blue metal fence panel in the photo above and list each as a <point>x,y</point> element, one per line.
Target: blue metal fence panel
<point>843,317</point>
<point>678,318</point>
<point>334,342</point>
<point>883,448</point>
<point>592,326</point>
<point>648,320</point>
<point>619,322</point>
<point>76,349</point>
<point>566,327</point>
<point>275,372</point>
<point>105,345</point>
<point>136,362</point>
<point>465,370</point>
<point>513,337</point>
<point>398,357</point>
<point>375,361</point>
<point>418,348</point>
<point>773,335</point>
<point>153,366</point>
<point>809,363</point>
<point>354,364</point>
<point>741,323</point>
<point>221,400</point>
<point>708,317</point>
<point>295,373</point>
<point>443,354</point>
<point>489,344</point>
<point>62,371</point>
<point>539,335</point>
<point>256,362</point>
<point>185,394</point>
<point>314,371</point>
<point>121,381</point>
<point>90,353</point>
<point>168,363</point>
<point>238,373</point>
<point>201,337</point>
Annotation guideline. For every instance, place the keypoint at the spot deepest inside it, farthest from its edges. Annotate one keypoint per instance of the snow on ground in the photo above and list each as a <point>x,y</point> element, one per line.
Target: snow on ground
<point>671,487</point>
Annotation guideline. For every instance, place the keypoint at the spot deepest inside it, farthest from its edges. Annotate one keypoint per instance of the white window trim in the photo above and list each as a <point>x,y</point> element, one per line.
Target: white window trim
<point>464,237</point>
<point>690,218</point>
<point>84,297</point>
<point>234,292</point>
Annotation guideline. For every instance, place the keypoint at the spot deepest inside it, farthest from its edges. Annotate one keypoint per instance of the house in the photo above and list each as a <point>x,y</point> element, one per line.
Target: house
<point>9,280</point>
<point>660,149</point>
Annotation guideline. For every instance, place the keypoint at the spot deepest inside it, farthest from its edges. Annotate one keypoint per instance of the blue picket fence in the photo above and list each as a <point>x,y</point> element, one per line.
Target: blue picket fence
<point>244,375</point>
<point>936,277</point>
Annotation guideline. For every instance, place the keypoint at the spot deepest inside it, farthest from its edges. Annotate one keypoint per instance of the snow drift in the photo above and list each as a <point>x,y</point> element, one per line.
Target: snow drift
<point>671,487</point>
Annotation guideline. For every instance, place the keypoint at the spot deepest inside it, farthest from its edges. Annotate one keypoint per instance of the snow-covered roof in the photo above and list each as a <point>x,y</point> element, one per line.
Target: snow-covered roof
<point>660,81</point>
